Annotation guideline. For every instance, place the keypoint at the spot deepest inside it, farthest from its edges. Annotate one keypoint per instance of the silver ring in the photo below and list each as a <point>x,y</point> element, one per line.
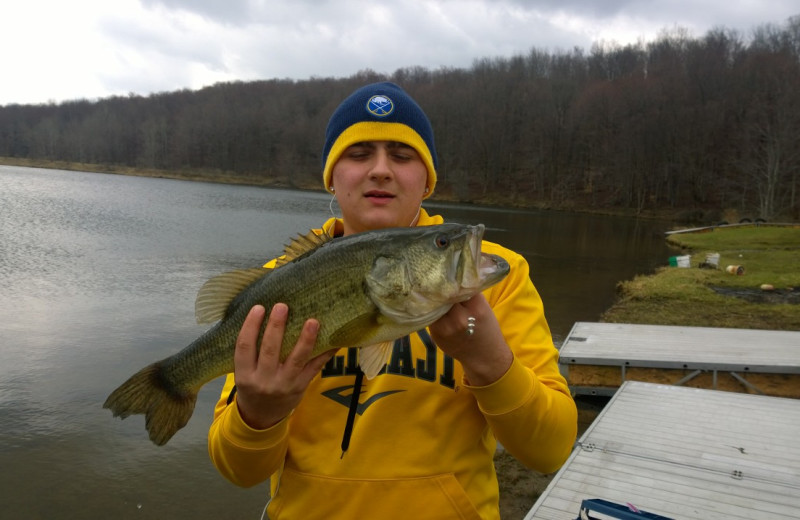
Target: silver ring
<point>470,326</point>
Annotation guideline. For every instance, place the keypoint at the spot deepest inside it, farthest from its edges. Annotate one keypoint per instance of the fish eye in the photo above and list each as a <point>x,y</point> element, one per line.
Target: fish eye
<point>442,241</point>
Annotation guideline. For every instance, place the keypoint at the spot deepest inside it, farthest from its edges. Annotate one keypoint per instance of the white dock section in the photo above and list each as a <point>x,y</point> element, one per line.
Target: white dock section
<point>685,453</point>
<point>737,352</point>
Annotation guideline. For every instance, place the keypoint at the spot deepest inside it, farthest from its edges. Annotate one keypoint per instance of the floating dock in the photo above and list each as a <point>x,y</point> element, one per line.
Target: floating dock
<point>596,358</point>
<point>684,453</point>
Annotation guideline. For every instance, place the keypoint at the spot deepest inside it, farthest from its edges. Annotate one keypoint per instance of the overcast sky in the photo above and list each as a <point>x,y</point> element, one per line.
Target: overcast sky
<point>56,50</point>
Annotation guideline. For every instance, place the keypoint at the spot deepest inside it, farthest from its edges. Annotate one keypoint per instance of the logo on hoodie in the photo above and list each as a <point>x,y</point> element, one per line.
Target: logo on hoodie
<point>401,363</point>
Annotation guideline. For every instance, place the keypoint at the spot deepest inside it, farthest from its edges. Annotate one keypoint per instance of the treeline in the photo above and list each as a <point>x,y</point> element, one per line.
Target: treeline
<point>699,125</point>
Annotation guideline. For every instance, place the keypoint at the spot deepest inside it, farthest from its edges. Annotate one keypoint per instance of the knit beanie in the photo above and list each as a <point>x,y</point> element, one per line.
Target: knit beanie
<point>379,112</point>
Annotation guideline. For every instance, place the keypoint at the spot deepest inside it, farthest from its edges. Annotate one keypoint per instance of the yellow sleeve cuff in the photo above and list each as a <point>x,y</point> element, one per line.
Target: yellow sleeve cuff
<point>508,393</point>
<point>239,433</point>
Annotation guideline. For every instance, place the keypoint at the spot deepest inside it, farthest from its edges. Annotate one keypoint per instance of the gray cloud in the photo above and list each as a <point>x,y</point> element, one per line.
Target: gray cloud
<point>229,11</point>
<point>154,45</point>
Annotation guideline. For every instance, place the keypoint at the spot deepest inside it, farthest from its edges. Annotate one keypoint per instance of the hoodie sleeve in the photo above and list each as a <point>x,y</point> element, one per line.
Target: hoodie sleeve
<point>241,454</point>
<point>529,409</point>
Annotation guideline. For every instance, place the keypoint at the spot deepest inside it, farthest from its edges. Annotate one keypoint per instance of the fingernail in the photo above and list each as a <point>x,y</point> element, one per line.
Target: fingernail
<point>279,310</point>
<point>313,326</point>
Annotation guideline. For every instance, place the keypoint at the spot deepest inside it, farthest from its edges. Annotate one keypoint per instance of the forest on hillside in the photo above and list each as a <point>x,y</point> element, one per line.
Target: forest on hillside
<point>690,125</point>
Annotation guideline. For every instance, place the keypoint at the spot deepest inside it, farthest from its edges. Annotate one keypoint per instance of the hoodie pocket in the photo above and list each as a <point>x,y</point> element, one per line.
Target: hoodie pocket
<point>426,498</point>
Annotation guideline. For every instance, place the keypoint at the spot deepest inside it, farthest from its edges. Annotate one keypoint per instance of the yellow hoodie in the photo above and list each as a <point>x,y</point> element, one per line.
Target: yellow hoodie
<point>423,442</point>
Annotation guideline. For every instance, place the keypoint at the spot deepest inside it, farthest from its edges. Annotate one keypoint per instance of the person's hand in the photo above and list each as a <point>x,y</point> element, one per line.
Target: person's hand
<point>268,389</point>
<point>484,354</point>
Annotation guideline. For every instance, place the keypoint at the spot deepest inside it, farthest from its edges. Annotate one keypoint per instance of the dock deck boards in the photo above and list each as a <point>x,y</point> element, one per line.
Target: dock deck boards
<point>597,357</point>
<point>685,453</point>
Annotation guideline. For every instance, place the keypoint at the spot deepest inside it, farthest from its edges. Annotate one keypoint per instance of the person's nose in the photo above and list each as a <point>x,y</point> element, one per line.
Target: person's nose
<point>382,167</point>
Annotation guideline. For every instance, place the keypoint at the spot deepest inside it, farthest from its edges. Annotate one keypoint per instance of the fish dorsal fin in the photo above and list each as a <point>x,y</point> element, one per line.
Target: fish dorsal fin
<point>302,245</point>
<point>217,294</point>
<point>371,359</point>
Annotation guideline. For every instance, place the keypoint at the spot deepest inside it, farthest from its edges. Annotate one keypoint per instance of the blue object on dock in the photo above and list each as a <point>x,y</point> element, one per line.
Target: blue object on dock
<point>612,510</point>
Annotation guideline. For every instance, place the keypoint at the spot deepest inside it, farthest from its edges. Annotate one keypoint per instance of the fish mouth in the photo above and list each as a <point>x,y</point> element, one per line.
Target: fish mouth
<point>468,262</point>
<point>478,270</point>
<point>474,241</point>
<point>492,266</point>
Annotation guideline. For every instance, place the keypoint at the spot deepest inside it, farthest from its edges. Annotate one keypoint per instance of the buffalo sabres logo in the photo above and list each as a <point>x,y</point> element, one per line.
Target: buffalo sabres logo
<point>380,106</point>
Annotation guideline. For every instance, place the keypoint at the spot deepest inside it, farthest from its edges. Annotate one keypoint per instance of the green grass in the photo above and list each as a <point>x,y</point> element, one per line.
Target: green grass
<point>736,238</point>
<point>686,296</point>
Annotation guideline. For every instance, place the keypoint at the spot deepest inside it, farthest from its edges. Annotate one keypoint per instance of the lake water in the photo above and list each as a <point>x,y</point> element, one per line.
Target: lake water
<point>98,275</point>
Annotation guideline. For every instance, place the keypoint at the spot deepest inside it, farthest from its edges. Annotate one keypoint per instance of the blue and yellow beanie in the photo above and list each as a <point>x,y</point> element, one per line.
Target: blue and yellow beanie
<point>379,112</point>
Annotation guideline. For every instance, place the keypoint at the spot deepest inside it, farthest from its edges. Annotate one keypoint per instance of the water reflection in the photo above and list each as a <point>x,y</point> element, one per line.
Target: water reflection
<point>576,259</point>
<point>98,276</point>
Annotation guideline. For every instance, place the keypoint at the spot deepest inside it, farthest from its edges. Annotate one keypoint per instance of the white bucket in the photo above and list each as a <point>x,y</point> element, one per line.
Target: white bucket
<point>712,259</point>
<point>683,261</point>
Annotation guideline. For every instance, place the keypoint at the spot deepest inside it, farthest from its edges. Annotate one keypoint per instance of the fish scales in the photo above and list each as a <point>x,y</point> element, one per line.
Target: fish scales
<point>366,290</point>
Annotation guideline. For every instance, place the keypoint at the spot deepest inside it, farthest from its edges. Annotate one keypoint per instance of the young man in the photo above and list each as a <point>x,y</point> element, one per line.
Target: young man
<point>427,429</point>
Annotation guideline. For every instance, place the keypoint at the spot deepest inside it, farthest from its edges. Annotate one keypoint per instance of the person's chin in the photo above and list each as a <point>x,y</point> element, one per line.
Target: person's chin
<point>377,219</point>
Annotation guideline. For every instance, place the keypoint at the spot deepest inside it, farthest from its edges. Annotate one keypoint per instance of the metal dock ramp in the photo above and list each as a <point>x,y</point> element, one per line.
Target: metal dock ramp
<point>596,358</point>
<point>684,453</point>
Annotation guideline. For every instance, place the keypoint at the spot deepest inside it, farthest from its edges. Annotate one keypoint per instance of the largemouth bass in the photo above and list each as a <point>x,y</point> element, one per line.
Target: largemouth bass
<point>366,290</point>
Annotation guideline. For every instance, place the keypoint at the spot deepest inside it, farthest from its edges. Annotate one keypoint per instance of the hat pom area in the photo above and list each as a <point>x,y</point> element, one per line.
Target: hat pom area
<point>379,112</point>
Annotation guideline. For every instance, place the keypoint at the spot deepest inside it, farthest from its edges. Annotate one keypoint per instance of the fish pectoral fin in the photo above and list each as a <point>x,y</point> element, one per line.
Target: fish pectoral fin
<point>217,294</point>
<point>358,331</point>
<point>371,359</point>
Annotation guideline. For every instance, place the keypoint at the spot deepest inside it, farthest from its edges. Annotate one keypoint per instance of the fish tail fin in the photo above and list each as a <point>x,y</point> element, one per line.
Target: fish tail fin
<point>146,392</point>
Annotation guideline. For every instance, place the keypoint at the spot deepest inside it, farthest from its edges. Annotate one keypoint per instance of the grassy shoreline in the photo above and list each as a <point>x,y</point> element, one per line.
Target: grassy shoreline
<point>765,296</point>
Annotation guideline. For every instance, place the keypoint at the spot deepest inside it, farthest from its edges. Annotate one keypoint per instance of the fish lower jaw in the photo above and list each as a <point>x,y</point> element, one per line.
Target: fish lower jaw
<point>415,317</point>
